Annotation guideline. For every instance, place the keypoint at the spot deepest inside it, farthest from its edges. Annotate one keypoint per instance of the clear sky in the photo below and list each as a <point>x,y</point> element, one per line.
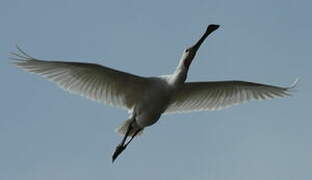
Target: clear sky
<point>47,134</point>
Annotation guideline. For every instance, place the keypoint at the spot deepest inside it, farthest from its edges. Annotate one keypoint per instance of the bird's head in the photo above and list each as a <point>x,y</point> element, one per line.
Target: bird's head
<point>189,53</point>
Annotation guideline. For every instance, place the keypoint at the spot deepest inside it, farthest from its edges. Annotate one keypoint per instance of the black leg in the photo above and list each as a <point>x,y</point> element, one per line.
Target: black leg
<point>127,133</point>
<point>121,147</point>
<point>133,136</point>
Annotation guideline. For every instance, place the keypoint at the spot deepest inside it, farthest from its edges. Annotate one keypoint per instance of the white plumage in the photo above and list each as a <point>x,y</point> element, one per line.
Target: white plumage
<point>209,96</point>
<point>96,82</point>
<point>147,98</point>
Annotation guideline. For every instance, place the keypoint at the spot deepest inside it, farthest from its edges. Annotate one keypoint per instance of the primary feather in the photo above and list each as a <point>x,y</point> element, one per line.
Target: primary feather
<point>207,96</point>
<point>96,82</point>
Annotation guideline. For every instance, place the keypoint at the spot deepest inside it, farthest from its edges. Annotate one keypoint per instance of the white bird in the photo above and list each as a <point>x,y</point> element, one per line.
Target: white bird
<point>147,98</point>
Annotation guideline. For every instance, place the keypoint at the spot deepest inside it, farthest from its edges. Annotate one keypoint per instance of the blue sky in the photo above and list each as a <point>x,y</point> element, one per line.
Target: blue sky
<point>46,133</point>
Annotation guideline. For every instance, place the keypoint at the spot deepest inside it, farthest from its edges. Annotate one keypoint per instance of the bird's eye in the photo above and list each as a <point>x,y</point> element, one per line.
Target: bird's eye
<point>186,50</point>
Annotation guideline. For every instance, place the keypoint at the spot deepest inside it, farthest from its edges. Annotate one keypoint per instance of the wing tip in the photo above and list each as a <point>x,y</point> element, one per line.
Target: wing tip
<point>20,55</point>
<point>20,58</point>
<point>292,88</point>
<point>294,84</point>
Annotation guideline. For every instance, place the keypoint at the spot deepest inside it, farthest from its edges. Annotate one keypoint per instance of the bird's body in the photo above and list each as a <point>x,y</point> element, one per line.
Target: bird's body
<point>147,98</point>
<point>154,100</point>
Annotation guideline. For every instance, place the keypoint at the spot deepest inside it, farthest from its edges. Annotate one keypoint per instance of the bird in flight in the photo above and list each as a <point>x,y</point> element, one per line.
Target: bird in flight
<point>147,98</point>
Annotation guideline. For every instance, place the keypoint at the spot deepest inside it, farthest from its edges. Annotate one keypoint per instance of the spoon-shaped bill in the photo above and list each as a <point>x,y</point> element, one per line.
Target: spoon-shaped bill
<point>209,30</point>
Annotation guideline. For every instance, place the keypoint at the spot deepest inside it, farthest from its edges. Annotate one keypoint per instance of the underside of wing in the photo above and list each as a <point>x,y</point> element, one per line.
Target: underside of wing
<point>209,96</point>
<point>93,81</point>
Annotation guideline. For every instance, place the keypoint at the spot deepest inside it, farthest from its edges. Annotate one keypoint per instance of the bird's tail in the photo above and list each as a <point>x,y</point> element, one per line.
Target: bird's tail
<point>122,129</point>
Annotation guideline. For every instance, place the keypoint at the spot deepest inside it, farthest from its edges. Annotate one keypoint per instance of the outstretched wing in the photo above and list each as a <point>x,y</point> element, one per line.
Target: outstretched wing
<point>93,81</point>
<point>208,96</point>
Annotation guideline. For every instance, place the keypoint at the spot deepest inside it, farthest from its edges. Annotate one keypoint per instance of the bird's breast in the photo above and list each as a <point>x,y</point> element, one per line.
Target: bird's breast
<point>152,104</point>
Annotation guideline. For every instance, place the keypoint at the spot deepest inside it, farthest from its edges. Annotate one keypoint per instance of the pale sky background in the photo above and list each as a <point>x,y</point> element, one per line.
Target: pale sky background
<point>48,134</point>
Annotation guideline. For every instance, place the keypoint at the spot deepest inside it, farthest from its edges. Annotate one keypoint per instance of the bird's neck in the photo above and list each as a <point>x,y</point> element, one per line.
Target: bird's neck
<point>178,77</point>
